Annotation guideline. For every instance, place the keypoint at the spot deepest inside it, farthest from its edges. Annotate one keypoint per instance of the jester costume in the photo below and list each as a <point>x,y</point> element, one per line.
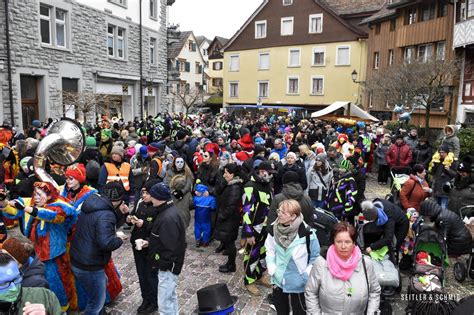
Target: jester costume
<point>342,195</point>
<point>256,203</point>
<point>48,227</point>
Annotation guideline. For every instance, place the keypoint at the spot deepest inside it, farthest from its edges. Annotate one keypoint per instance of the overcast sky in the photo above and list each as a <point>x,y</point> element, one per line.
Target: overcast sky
<point>212,17</point>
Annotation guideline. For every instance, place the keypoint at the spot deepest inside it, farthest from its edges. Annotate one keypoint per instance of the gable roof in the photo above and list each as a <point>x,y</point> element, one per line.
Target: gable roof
<point>347,7</point>
<point>175,47</point>
<point>383,14</point>
<point>323,6</point>
<point>201,39</point>
<point>222,40</point>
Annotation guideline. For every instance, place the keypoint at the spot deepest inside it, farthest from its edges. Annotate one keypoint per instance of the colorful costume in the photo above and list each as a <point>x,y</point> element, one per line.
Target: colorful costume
<point>342,195</point>
<point>48,227</point>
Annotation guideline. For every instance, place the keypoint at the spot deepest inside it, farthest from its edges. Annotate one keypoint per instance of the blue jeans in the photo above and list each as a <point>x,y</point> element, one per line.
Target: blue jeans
<point>95,284</point>
<point>443,202</point>
<point>167,297</point>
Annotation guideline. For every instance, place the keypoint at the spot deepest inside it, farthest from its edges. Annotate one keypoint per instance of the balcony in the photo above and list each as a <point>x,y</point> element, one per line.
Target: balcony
<point>424,32</point>
<point>463,33</point>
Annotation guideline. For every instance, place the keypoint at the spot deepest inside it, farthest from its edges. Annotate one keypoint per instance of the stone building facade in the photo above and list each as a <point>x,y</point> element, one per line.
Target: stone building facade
<point>85,49</point>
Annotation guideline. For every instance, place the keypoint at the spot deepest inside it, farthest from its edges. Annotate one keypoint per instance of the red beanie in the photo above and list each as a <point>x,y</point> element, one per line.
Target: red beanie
<point>77,171</point>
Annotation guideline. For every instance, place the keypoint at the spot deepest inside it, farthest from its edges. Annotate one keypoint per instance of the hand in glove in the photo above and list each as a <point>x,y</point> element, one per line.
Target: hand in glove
<point>17,204</point>
<point>178,194</point>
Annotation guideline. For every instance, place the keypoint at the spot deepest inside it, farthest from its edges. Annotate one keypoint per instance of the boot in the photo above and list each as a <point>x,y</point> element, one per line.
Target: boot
<point>253,289</point>
<point>264,281</point>
<point>228,267</point>
<point>143,306</point>
<point>152,307</point>
<point>220,248</point>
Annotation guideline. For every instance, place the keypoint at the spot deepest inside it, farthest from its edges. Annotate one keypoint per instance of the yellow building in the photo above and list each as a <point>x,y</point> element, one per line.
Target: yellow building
<point>216,65</point>
<point>295,54</point>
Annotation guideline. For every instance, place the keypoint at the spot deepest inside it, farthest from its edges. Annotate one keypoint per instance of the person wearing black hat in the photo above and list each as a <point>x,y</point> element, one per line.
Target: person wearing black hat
<point>95,239</point>
<point>167,246</point>
<point>442,169</point>
<point>462,192</point>
<point>256,203</point>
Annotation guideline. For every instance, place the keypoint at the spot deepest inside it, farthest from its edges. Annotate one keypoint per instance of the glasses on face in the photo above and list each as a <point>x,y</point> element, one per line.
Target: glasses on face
<point>7,284</point>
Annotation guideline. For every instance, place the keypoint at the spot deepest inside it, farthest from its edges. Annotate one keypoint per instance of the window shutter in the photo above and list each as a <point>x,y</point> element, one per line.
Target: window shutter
<point>187,67</point>
<point>177,64</point>
<point>200,69</point>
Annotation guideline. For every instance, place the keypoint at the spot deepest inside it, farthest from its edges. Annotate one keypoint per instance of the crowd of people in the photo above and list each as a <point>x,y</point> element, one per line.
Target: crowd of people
<point>256,179</point>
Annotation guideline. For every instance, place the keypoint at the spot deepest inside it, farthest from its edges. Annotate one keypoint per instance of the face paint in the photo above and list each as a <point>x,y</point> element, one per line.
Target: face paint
<point>179,163</point>
<point>40,197</point>
<point>10,282</point>
<point>223,162</point>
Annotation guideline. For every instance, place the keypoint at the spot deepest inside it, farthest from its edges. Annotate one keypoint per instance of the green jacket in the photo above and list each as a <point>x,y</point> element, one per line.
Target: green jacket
<point>38,296</point>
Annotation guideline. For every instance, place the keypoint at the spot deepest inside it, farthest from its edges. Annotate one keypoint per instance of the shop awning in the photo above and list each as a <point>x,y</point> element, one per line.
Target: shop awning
<point>349,110</point>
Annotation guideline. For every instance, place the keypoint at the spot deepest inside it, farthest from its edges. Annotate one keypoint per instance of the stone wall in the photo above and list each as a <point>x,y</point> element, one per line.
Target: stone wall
<point>88,51</point>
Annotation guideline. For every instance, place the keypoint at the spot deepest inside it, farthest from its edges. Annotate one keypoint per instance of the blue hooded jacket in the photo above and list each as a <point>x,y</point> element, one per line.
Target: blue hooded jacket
<point>203,205</point>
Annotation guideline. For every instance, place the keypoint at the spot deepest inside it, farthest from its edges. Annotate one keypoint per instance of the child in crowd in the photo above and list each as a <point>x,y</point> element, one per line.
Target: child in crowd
<point>203,204</point>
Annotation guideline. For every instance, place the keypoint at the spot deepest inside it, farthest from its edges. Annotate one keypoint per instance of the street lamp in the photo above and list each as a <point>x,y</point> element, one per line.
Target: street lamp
<point>354,75</point>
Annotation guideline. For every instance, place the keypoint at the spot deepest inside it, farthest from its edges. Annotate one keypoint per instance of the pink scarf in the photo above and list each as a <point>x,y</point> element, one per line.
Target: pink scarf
<point>339,268</point>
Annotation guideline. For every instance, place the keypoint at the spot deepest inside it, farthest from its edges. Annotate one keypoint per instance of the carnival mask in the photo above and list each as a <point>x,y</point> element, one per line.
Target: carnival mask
<point>10,282</point>
<point>179,163</point>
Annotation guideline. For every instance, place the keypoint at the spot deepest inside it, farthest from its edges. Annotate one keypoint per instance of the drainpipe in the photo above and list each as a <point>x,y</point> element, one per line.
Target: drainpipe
<point>9,63</point>
<point>141,64</point>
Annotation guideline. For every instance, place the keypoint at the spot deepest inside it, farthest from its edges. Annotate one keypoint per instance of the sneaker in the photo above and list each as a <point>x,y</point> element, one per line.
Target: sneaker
<point>227,268</point>
<point>264,281</point>
<point>253,289</point>
<point>270,302</point>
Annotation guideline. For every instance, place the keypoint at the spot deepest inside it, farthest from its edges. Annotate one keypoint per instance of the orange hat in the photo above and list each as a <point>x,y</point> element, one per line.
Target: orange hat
<point>77,171</point>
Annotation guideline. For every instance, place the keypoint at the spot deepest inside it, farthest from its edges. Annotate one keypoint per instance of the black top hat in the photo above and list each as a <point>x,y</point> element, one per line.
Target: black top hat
<point>214,298</point>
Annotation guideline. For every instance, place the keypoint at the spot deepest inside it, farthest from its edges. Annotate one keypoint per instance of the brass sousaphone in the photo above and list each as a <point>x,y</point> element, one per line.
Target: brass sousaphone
<point>63,145</point>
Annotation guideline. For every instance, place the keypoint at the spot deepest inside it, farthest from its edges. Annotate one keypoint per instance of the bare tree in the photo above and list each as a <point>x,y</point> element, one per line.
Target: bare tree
<point>419,84</point>
<point>87,103</point>
<point>188,98</point>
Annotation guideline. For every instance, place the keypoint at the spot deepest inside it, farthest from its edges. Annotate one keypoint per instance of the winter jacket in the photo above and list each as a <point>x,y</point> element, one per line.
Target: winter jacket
<point>147,213</point>
<point>458,237</point>
<point>181,186</point>
<point>207,175</point>
<point>440,176</point>
<point>452,141</point>
<point>399,156</point>
<point>229,202</point>
<point>412,193</point>
<point>381,153</point>
<point>203,206</point>
<point>292,191</point>
<point>318,183</point>
<point>34,296</point>
<point>95,239</point>
<point>281,152</point>
<point>167,243</point>
<point>396,220</point>
<point>139,168</point>
<point>309,161</point>
<point>422,154</point>
<point>34,273</point>
<point>325,294</point>
<point>462,194</point>
<point>412,142</point>
<point>256,204</point>
<point>295,168</point>
<point>181,147</point>
<point>334,162</point>
<point>342,196</point>
<point>289,268</point>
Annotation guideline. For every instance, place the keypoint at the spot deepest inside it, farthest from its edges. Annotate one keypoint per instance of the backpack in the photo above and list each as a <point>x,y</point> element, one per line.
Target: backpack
<point>92,170</point>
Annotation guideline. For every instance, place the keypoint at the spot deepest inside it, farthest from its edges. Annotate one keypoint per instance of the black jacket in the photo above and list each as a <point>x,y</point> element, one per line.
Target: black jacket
<point>208,176</point>
<point>94,239</point>
<point>167,242</point>
<point>300,170</point>
<point>422,154</point>
<point>147,213</point>
<point>229,203</point>
<point>34,274</point>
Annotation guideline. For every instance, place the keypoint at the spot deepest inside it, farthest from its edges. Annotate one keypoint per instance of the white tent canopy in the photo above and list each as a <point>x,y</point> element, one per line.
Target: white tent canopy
<point>354,111</point>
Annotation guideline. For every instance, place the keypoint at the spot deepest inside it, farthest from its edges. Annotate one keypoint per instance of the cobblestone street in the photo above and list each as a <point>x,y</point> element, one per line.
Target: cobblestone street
<point>201,269</point>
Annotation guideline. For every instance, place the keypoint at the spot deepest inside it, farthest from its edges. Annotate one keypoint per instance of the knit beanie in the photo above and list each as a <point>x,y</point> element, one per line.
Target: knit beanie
<point>180,135</point>
<point>444,148</point>
<point>369,210</point>
<point>160,191</point>
<point>16,249</point>
<point>113,191</point>
<point>150,183</point>
<point>117,150</point>
<point>77,171</point>
<point>106,132</point>
<point>36,123</point>
<point>290,177</point>
<point>91,142</point>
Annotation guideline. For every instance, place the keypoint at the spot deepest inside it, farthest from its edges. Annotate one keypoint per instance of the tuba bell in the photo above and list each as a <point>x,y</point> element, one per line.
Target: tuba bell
<point>63,144</point>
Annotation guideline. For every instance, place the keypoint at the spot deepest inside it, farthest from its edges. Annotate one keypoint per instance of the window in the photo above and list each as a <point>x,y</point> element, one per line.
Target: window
<point>391,57</point>
<point>409,54</point>
<point>317,85</point>
<point>294,57</point>
<point>441,50</point>
<point>470,8</point>
<point>152,50</point>
<point>442,8</point>
<point>318,56</point>
<point>153,10</point>
<point>287,2</point>
<point>181,63</point>
<point>260,29</point>
<point>217,65</point>
<point>286,26</point>
<point>191,45</point>
<point>343,56</point>
<point>233,89</point>
<point>425,52</point>
<point>115,41</point>
<point>393,25</point>
<point>120,42</point>
<point>53,26</point>
<point>316,23</point>
<point>377,29</point>
<point>217,82</point>
<point>204,52</point>
<point>376,60</point>
<point>234,63</point>
<point>427,12</point>
<point>263,89</point>
<point>410,16</point>
<point>293,85</point>
<point>197,68</point>
<point>122,3</point>
<point>263,61</point>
